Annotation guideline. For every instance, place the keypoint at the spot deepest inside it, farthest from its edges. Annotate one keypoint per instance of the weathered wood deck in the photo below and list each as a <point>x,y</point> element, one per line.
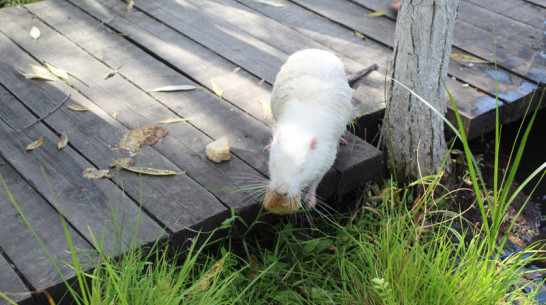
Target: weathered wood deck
<point>192,42</point>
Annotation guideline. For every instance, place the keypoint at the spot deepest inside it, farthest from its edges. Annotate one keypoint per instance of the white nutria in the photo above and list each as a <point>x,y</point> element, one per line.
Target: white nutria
<point>311,104</point>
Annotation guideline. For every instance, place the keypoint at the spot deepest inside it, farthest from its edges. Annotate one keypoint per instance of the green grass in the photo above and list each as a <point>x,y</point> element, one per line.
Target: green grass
<point>9,3</point>
<point>401,246</point>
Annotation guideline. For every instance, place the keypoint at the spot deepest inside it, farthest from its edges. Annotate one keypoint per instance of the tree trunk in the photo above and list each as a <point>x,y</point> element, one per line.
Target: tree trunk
<point>413,135</point>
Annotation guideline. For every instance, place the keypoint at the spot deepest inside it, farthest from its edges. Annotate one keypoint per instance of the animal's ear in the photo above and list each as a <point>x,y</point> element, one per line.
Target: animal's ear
<point>314,143</point>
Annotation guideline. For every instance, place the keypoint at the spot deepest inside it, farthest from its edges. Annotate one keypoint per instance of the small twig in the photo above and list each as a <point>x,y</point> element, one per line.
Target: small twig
<point>46,115</point>
<point>355,77</point>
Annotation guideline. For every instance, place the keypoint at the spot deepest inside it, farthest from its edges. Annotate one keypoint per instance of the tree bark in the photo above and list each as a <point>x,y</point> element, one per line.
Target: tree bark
<point>413,135</point>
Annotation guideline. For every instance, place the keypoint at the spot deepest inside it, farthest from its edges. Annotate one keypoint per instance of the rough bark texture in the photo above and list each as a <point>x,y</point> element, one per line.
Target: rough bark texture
<point>413,135</point>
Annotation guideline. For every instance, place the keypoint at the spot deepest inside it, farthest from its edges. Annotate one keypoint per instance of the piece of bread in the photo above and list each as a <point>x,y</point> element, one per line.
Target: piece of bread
<point>219,150</point>
<point>280,206</point>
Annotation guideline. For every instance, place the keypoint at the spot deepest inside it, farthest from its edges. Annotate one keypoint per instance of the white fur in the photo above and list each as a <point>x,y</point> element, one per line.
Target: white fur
<point>311,99</point>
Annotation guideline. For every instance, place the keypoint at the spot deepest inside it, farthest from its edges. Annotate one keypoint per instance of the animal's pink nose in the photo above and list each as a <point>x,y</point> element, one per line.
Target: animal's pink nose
<point>281,193</point>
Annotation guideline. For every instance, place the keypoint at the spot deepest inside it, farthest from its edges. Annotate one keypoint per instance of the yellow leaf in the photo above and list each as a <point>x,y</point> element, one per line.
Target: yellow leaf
<point>63,140</point>
<point>468,59</point>
<point>39,70</point>
<point>359,35</point>
<point>129,6</point>
<point>114,115</point>
<point>270,3</point>
<point>35,144</point>
<point>216,88</point>
<point>149,170</point>
<point>37,76</point>
<point>171,121</point>
<point>265,108</point>
<point>110,74</point>
<point>77,108</point>
<point>35,33</point>
<point>57,71</point>
<point>378,13</point>
<point>260,83</point>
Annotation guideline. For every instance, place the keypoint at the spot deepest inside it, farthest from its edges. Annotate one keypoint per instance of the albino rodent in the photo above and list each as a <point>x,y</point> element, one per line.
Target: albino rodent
<point>311,104</point>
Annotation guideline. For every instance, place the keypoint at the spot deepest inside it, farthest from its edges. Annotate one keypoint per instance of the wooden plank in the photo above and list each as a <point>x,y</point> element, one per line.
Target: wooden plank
<point>85,203</point>
<point>510,29</point>
<point>20,245</point>
<point>11,285</point>
<point>516,9</point>
<point>142,28</point>
<point>185,144</point>
<point>478,76</point>
<point>96,132</point>
<point>541,3</point>
<point>289,41</point>
<point>178,207</point>
<point>510,55</point>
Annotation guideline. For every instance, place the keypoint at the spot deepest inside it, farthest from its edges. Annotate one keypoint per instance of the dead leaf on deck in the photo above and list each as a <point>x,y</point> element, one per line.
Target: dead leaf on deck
<point>173,88</point>
<point>216,88</point>
<point>379,13</point>
<point>114,115</point>
<point>63,140</point>
<point>77,108</point>
<point>265,108</point>
<point>39,70</point>
<point>35,144</point>
<point>40,73</point>
<point>112,73</point>
<point>129,6</point>
<point>149,170</point>
<point>142,137</point>
<point>35,33</point>
<point>93,173</point>
<point>171,121</point>
<point>468,59</point>
<point>260,83</point>
<point>122,161</point>
<point>270,3</point>
<point>57,71</point>
<point>359,35</point>
<point>236,70</point>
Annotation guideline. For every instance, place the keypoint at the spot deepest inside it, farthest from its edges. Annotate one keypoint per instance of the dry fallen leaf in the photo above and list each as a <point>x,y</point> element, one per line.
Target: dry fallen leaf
<point>93,173</point>
<point>236,70</point>
<point>150,171</point>
<point>77,108</point>
<point>113,72</point>
<point>39,70</point>
<point>122,161</point>
<point>114,115</point>
<point>270,3</point>
<point>359,35</point>
<point>173,88</point>
<point>36,75</point>
<point>378,13</point>
<point>142,137</point>
<point>265,108</point>
<point>57,71</point>
<point>35,144</point>
<point>35,33</point>
<point>260,83</point>
<point>63,140</point>
<point>129,6</point>
<point>171,121</point>
<point>216,88</point>
<point>467,59</point>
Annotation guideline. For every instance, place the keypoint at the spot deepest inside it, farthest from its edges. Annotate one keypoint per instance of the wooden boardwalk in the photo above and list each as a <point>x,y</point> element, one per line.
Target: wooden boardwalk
<point>236,44</point>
